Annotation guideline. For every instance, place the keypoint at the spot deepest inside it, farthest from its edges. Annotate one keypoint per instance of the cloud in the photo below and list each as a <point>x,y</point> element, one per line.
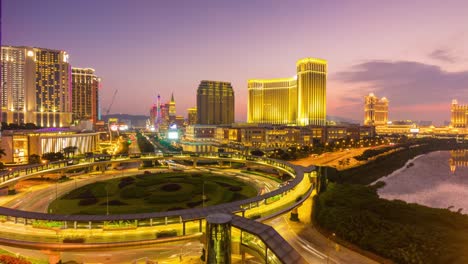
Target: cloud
<point>442,55</point>
<point>407,82</point>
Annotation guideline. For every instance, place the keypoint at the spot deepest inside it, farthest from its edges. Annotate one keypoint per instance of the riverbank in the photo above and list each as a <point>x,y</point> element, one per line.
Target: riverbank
<point>431,180</point>
<point>386,164</point>
<point>399,231</point>
<point>402,232</point>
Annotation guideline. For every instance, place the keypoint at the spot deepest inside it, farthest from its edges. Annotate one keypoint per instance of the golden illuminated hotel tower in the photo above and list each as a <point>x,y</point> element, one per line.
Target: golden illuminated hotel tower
<point>36,86</point>
<point>85,94</point>
<point>272,101</point>
<point>459,115</point>
<point>375,111</point>
<point>311,92</point>
<point>215,103</point>
<point>299,100</point>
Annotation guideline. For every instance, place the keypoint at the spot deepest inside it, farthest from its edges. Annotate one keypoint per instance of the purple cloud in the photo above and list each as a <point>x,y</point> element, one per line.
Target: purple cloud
<point>407,82</point>
<point>442,55</point>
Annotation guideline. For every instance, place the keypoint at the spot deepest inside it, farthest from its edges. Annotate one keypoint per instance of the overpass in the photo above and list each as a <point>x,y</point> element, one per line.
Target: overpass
<point>187,222</point>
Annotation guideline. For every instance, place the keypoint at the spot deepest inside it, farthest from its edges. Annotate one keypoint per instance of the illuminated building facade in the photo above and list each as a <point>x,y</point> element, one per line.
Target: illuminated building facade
<point>459,115</point>
<point>272,101</point>
<point>215,103</point>
<point>375,111</point>
<point>299,100</point>
<point>19,145</point>
<point>172,109</point>
<point>312,92</point>
<point>36,85</point>
<point>191,116</point>
<point>85,94</point>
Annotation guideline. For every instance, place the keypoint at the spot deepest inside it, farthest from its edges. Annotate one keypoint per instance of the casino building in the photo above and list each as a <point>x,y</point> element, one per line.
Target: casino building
<point>298,100</point>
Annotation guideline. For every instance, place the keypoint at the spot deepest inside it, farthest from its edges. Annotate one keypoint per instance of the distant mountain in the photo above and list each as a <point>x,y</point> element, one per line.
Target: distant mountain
<point>339,119</point>
<point>135,120</point>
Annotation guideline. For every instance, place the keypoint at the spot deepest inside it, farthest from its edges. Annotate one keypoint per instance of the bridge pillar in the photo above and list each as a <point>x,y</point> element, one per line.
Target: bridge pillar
<point>218,238</point>
<point>11,189</point>
<point>294,215</point>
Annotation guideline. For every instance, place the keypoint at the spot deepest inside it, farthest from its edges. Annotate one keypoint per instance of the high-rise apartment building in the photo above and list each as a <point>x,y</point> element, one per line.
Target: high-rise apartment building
<point>85,94</point>
<point>299,100</point>
<point>215,103</point>
<point>459,115</point>
<point>36,85</point>
<point>375,111</point>
<point>191,116</point>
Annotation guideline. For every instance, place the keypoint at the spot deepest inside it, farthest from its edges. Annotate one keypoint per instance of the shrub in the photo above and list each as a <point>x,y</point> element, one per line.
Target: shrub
<point>166,233</point>
<point>88,201</point>
<point>126,181</point>
<point>5,259</point>
<point>74,240</point>
<point>114,203</point>
<point>171,187</point>
<point>235,188</point>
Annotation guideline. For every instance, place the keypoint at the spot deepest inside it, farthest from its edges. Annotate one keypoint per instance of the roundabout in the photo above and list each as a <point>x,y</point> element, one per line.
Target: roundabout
<point>153,192</point>
<point>73,232</point>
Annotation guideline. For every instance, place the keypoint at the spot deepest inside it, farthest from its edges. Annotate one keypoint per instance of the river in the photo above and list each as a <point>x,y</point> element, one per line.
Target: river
<point>438,179</point>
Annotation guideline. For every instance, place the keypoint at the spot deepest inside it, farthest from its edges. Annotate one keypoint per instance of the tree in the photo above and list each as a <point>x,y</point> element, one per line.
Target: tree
<point>53,156</point>
<point>257,152</point>
<point>2,152</point>
<point>34,159</point>
<point>70,150</point>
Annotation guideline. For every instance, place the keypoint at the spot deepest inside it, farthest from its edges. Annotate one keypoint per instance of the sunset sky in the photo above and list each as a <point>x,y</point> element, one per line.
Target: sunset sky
<point>413,52</point>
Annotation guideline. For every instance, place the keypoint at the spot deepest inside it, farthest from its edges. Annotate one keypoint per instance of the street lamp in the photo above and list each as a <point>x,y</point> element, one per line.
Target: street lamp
<point>107,201</point>
<point>328,252</point>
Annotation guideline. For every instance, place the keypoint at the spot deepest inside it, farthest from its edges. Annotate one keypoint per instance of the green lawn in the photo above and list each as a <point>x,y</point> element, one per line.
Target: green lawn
<point>152,193</point>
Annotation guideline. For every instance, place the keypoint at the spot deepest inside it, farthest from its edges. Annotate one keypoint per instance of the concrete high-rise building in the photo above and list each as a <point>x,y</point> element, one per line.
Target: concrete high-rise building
<point>215,103</point>
<point>299,100</point>
<point>85,94</point>
<point>164,114</point>
<point>459,115</point>
<point>36,85</point>
<point>375,111</point>
<point>191,116</point>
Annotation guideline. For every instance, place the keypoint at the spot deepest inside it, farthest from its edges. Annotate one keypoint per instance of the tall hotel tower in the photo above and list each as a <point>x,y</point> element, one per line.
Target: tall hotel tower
<point>36,86</point>
<point>85,94</point>
<point>299,100</point>
<point>215,103</point>
<point>459,115</point>
<point>375,111</point>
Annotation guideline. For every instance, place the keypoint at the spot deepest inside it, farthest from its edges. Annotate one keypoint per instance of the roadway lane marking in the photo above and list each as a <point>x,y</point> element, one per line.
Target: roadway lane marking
<point>312,251</point>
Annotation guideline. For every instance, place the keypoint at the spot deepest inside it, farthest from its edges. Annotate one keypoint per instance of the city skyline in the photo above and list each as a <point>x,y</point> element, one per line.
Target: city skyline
<point>413,53</point>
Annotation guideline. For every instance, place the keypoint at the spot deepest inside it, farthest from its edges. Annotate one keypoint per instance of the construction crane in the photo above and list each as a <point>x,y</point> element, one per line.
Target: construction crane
<point>107,113</point>
<point>112,102</point>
